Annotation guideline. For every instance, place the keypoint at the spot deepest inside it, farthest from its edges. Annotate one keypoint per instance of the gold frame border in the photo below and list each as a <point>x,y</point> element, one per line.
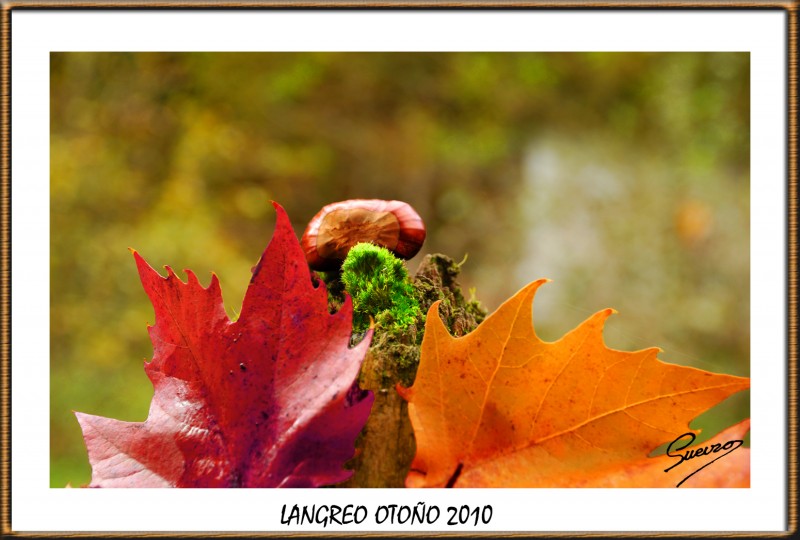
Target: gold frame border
<point>790,6</point>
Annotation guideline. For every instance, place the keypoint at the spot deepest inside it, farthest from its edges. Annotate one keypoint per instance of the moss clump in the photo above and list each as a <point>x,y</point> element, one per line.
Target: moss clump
<point>400,347</point>
<point>400,328</point>
<point>379,284</point>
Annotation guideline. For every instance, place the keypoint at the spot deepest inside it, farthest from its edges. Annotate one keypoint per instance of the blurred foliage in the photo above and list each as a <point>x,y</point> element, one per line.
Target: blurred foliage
<point>622,176</point>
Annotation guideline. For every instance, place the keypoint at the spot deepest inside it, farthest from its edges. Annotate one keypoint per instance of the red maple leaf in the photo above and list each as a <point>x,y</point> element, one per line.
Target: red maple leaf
<point>268,400</point>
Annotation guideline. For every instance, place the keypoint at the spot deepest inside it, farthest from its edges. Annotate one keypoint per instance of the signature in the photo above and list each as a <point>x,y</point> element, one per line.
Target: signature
<point>727,447</point>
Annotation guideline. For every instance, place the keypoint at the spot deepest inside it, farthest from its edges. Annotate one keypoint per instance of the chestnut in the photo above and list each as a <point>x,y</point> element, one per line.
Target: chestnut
<point>339,226</point>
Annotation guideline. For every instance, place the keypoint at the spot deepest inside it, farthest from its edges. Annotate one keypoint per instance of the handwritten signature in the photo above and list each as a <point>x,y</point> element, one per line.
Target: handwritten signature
<point>727,447</point>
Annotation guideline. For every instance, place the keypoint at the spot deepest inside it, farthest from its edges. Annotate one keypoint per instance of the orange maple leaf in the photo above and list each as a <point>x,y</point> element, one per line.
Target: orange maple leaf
<point>501,408</point>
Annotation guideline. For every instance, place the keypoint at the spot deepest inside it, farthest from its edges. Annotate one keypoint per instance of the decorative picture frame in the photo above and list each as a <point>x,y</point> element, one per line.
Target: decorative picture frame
<point>30,33</point>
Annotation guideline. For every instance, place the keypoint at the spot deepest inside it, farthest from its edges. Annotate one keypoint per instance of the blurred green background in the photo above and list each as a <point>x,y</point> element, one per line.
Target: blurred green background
<point>624,177</point>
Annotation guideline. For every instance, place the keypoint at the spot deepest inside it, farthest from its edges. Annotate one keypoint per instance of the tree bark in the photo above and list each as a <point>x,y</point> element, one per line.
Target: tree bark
<point>386,446</point>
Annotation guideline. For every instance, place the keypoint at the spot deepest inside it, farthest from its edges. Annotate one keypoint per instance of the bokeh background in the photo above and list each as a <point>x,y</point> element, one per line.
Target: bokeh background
<point>624,177</point>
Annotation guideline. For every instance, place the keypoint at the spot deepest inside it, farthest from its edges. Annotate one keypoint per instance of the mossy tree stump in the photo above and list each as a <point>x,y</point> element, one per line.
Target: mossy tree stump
<point>386,446</point>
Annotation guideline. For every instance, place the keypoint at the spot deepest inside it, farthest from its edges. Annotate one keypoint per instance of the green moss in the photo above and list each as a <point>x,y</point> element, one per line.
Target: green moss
<point>379,284</point>
<point>381,288</point>
<point>400,348</point>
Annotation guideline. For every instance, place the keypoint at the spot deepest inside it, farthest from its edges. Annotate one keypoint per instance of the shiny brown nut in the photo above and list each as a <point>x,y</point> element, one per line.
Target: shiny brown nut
<point>340,226</point>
